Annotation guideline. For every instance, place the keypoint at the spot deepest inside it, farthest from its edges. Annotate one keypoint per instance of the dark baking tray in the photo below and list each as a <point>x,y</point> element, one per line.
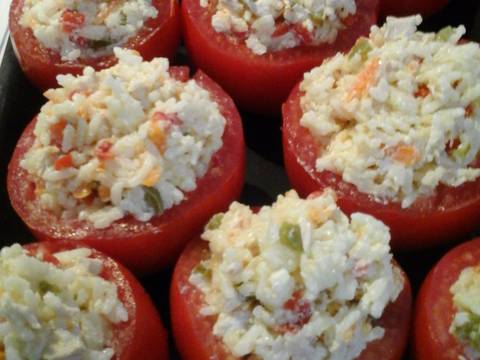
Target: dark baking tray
<point>265,177</point>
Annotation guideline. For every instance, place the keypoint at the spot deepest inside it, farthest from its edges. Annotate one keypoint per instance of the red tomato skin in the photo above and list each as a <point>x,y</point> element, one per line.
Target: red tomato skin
<point>410,7</point>
<point>193,332</point>
<point>144,247</point>
<point>434,309</point>
<point>159,37</point>
<point>428,222</point>
<point>142,336</point>
<point>260,84</point>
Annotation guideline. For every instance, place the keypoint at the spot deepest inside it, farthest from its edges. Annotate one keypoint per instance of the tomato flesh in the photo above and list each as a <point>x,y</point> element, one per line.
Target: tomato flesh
<point>160,36</point>
<point>261,83</point>
<point>434,308</point>
<point>143,246</point>
<point>193,331</point>
<point>450,214</point>
<point>143,333</point>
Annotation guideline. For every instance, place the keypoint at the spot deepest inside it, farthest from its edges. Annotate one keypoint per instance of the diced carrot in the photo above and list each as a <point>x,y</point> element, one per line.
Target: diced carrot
<point>63,162</point>
<point>405,154</point>
<point>422,91</point>
<point>82,191</point>
<point>157,136</point>
<point>469,111</point>
<point>152,177</point>
<point>365,79</point>
<point>103,193</point>
<point>72,20</point>
<point>56,132</point>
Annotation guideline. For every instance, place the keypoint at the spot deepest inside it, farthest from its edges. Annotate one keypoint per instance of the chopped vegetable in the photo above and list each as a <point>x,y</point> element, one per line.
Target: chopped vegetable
<point>461,151</point>
<point>72,20</point>
<point>63,162</point>
<point>422,91</point>
<point>82,192</point>
<point>56,132</point>
<point>291,236</point>
<point>98,44</point>
<point>361,47</point>
<point>215,222</point>
<point>45,287</point>
<point>158,137</point>
<point>405,154</point>
<point>152,177</point>
<point>445,33</point>
<point>203,270</point>
<point>153,199</point>
<point>365,79</point>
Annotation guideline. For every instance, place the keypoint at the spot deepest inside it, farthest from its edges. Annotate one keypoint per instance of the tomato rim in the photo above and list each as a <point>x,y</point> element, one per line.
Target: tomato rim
<point>263,81</point>
<point>434,307</point>
<point>411,228</point>
<point>160,36</point>
<point>143,333</point>
<point>139,245</point>
<point>190,327</point>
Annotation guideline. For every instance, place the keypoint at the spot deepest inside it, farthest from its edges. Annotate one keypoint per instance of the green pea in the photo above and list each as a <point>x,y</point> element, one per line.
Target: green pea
<point>203,270</point>
<point>461,151</point>
<point>215,221</point>
<point>445,33</point>
<point>291,236</point>
<point>361,47</point>
<point>153,199</point>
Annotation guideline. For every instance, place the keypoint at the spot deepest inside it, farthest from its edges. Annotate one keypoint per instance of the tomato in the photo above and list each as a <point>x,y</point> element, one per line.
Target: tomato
<point>260,83</point>
<point>142,335</point>
<point>449,214</point>
<point>144,246</point>
<point>193,332</point>
<point>434,309</point>
<point>160,36</point>
<point>410,7</point>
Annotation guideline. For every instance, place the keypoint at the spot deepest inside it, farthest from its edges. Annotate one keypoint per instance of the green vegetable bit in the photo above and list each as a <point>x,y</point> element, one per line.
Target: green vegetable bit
<point>318,18</point>
<point>215,222</point>
<point>153,199</point>
<point>361,47</point>
<point>98,44</point>
<point>470,332</point>
<point>444,34</point>
<point>203,270</point>
<point>291,236</point>
<point>461,151</point>
<point>45,287</point>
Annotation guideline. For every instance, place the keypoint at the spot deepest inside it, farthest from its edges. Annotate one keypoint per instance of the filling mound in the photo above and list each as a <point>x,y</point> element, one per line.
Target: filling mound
<point>399,114</point>
<point>85,28</point>
<point>131,139</point>
<point>56,309</point>
<point>297,280</point>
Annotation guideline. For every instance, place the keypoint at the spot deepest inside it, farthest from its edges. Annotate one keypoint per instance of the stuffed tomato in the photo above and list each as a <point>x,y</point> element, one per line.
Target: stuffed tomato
<point>258,50</point>
<point>393,127</point>
<point>297,280</point>
<point>60,37</point>
<point>63,300</point>
<point>446,322</point>
<point>132,160</point>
